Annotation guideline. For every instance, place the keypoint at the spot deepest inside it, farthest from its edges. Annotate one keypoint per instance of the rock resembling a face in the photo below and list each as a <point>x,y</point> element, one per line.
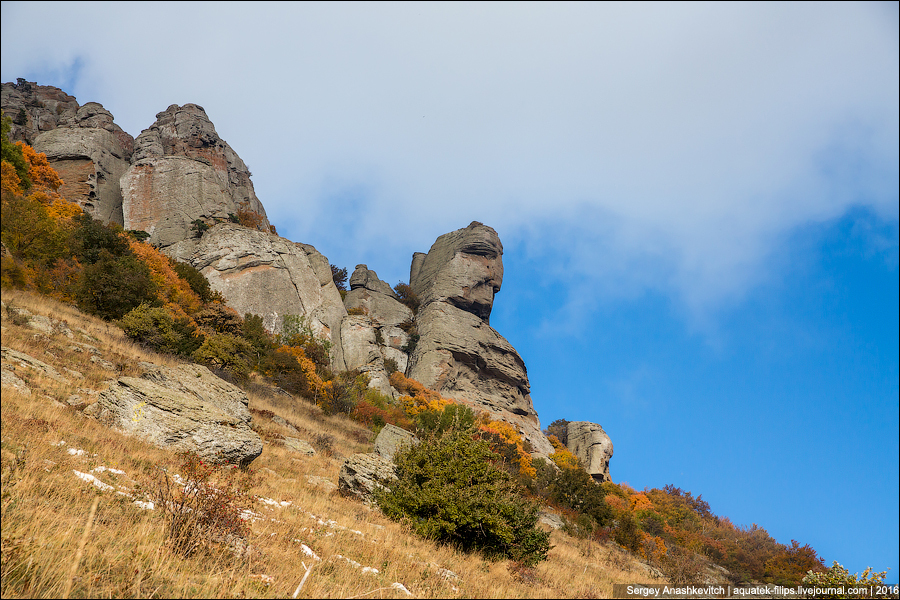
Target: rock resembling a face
<point>474,278</point>
<point>464,268</point>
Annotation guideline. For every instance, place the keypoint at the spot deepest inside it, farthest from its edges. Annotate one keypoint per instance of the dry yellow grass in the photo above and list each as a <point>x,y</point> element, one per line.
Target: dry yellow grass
<point>45,506</point>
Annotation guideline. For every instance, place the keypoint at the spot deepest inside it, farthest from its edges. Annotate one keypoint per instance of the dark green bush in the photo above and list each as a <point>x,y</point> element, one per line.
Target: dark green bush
<point>228,352</point>
<point>339,276</point>
<point>91,238</point>
<point>454,416</point>
<point>112,286</point>
<point>449,491</point>
<point>196,280</point>
<point>156,327</point>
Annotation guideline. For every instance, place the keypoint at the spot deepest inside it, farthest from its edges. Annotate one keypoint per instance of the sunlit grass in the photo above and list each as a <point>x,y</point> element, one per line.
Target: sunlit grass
<point>45,507</point>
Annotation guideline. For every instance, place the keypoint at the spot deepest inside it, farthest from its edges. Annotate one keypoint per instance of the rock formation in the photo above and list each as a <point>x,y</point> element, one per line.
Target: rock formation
<point>590,444</point>
<point>374,332</point>
<point>264,274</point>
<point>362,474</point>
<point>185,408</point>
<point>182,172</point>
<point>85,146</point>
<point>458,353</point>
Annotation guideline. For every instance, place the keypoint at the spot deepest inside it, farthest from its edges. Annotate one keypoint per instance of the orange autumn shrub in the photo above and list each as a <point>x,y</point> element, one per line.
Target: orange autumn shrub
<point>507,434</point>
<point>174,291</point>
<point>322,391</point>
<point>562,457</point>
<point>416,397</point>
<point>9,179</point>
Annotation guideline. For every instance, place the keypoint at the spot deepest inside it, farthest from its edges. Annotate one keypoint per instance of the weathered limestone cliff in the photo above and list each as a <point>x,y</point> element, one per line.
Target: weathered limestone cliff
<point>261,273</point>
<point>375,333</point>
<point>85,146</point>
<point>182,172</point>
<point>459,354</point>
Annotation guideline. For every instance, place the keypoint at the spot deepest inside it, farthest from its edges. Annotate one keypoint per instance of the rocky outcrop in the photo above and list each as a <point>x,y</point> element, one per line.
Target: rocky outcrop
<point>185,408</point>
<point>84,144</point>
<point>464,268</point>
<point>264,274</point>
<point>374,331</point>
<point>35,108</point>
<point>182,172</point>
<point>362,474</point>
<point>590,444</point>
<point>391,439</point>
<point>458,353</point>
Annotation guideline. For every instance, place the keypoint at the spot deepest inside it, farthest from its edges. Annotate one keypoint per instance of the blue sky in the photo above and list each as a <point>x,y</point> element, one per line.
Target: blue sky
<point>698,204</point>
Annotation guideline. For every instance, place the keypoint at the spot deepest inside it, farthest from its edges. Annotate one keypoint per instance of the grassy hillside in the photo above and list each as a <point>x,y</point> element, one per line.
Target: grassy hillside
<point>51,539</point>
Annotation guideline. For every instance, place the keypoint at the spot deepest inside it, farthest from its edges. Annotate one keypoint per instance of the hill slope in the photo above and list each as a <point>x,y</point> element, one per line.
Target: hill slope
<point>56,462</point>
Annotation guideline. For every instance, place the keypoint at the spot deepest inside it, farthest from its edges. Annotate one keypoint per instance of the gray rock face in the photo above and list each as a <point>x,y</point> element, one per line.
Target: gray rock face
<point>391,438</point>
<point>35,108</point>
<point>459,354</point>
<point>264,274</point>
<point>590,444</point>
<point>362,474</point>
<point>375,336</point>
<point>182,171</point>
<point>463,268</point>
<point>85,146</point>
<point>185,408</point>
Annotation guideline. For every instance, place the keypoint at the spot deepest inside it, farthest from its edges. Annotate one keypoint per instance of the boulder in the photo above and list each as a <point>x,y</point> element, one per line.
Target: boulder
<point>390,439</point>
<point>458,353</point>
<point>261,273</point>
<point>300,446</point>
<point>182,172</point>
<point>590,444</point>
<point>8,355</point>
<point>185,408</point>
<point>362,474</point>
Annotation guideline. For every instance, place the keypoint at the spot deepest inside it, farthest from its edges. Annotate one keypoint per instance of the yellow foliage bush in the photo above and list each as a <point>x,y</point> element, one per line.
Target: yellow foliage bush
<point>323,391</point>
<point>177,294</point>
<point>416,397</point>
<point>508,434</point>
<point>563,457</point>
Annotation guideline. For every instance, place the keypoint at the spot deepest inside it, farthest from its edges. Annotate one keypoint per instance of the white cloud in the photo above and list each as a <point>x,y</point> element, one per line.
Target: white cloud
<point>673,144</point>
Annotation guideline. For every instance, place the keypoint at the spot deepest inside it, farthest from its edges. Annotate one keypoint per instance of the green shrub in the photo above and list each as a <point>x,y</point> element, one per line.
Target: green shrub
<point>91,238</point>
<point>339,276</point>
<point>449,491</point>
<point>196,280</point>
<point>226,351</point>
<point>453,416</point>
<point>156,327</point>
<point>390,365</point>
<point>112,286</point>
<point>407,296</point>
<point>218,318</point>
<point>254,331</point>
<point>838,576</point>
<point>12,154</point>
